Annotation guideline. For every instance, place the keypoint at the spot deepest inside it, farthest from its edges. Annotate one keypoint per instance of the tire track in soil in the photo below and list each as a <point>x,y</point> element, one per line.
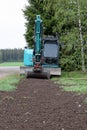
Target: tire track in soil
<point>39,104</point>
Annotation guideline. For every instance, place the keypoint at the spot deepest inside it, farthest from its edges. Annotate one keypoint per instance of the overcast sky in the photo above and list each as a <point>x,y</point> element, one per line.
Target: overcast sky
<point>12,24</point>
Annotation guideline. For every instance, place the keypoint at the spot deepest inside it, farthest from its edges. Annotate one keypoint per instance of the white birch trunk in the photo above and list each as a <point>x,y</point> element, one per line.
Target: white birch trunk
<point>81,38</point>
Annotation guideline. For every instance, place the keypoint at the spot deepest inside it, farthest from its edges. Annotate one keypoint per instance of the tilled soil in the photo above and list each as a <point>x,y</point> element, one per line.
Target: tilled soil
<point>39,104</point>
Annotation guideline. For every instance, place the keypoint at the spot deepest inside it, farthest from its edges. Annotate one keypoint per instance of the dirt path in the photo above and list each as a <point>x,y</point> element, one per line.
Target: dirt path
<point>39,104</point>
<point>4,71</point>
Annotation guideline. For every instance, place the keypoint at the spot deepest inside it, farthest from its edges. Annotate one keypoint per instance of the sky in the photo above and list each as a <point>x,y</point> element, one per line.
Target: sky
<point>12,24</point>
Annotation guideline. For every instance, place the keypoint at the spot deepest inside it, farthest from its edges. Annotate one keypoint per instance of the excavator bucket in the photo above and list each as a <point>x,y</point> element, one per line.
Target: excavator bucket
<point>29,73</point>
<point>45,74</point>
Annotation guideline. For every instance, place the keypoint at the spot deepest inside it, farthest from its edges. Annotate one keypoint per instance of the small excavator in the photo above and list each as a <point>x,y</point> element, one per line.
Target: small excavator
<point>43,60</point>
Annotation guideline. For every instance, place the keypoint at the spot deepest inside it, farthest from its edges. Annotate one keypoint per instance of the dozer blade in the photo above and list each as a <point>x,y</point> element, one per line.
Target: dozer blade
<point>54,71</point>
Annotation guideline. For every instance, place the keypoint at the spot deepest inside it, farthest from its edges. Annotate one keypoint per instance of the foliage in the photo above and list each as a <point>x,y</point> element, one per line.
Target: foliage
<point>0,56</point>
<point>30,11</point>
<point>68,27</point>
<point>11,55</point>
<point>61,17</point>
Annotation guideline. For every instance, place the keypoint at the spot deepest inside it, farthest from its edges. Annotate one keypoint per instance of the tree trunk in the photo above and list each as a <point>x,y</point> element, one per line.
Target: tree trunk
<point>81,38</point>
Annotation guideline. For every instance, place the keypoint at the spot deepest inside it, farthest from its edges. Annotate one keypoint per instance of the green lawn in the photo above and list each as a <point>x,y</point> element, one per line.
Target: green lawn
<point>9,83</point>
<point>73,81</point>
<point>11,64</point>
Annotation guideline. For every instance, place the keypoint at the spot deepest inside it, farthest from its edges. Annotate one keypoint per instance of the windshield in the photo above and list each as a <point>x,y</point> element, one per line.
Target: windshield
<point>50,50</point>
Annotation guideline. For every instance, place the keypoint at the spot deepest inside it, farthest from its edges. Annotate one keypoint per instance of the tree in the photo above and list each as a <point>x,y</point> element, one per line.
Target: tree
<point>0,56</point>
<point>69,20</point>
<point>11,55</point>
<point>72,32</point>
<point>33,8</point>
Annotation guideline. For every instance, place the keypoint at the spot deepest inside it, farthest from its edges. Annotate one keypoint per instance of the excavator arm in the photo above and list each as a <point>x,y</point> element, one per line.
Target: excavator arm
<point>38,43</point>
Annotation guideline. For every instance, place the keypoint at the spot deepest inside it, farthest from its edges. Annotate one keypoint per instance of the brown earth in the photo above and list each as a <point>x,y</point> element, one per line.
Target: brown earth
<point>39,104</point>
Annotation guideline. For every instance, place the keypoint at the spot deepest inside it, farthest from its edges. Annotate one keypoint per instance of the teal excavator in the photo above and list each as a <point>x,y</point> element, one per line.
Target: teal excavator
<point>43,60</point>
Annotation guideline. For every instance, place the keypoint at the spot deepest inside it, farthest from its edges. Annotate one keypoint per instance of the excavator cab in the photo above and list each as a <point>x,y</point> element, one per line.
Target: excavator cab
<point>51,52</point>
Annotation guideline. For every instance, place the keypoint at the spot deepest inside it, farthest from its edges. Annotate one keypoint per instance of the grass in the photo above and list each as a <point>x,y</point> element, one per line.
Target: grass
<point>11,64</point>
<point>85,101</point>
<point>73,81</point>
<point>9,83</point>
<point>76,85</point>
